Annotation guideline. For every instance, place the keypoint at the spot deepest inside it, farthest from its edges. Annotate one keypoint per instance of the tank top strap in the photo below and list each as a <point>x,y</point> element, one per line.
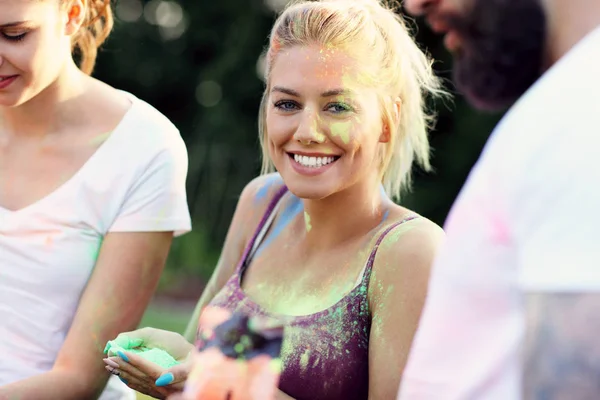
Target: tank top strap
<point>262,228</point>
<point>365,278</point>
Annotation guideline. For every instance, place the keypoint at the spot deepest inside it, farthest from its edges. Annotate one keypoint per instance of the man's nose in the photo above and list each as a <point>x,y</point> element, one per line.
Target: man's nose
<point>418,7</point>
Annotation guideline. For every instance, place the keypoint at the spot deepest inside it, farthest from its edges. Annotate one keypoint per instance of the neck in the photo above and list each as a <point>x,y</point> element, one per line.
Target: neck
<point>47,111</point>
<point>568,23</point>
<point>344,216</point>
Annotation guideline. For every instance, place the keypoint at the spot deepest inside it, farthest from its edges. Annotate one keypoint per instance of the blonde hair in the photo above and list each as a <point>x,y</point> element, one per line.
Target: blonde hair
<point>404,72</point>
<point>97,25</point>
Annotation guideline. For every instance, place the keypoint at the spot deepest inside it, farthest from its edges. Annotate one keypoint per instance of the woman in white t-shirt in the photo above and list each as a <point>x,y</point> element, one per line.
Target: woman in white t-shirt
<point>92,190</point>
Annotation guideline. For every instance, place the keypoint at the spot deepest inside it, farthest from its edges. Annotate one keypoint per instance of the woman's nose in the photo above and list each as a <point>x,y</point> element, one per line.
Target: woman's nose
<point>310,128</point>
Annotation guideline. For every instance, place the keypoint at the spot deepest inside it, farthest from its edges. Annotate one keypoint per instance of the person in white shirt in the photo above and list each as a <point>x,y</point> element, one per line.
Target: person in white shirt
<point>92,191</point>
<point>514,299</point>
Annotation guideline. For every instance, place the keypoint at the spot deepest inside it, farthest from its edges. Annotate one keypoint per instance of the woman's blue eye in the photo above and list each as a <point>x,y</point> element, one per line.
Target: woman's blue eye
<point>15,38</point>
<point>339,108</point>
<point>286,105</point>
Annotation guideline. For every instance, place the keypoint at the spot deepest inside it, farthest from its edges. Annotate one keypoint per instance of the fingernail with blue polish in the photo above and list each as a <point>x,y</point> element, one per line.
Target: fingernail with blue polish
<point>164,380</point>
<point>123,356</point>
<point>123,380</point>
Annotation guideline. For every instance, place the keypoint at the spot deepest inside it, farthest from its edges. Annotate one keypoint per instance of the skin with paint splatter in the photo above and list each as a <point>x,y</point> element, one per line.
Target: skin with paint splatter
<point>282,282</point>
<point>307,221</point>
<point>342,130</point>
<point>318,273</point>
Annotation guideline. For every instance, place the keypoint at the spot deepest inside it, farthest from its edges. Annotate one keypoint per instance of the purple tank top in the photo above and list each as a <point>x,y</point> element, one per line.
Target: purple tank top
<point>325,355</point>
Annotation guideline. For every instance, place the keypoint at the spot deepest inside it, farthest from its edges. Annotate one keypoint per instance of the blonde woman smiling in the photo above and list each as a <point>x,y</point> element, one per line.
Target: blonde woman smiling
<point>320,245</point>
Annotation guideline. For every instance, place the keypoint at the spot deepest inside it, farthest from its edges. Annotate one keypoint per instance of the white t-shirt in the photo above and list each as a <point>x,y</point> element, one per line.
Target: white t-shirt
<point>528,219</point>
<point>134,182</point>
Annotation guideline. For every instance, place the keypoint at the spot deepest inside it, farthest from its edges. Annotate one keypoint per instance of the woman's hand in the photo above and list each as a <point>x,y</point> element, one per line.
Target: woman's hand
<point>217,377</point>
<point>173,343</point>
<point>145,376</point>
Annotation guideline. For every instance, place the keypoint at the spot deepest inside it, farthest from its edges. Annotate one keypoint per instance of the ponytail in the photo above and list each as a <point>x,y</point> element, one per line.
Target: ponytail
<point>97,25</point>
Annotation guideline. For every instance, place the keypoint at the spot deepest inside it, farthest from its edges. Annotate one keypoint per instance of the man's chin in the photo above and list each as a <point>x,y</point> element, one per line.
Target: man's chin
<point>488,90</point>
<point>488,104</point>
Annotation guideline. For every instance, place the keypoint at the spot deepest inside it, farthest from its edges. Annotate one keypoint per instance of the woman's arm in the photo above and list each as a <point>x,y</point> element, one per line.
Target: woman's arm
<point>251,207</point>
<point>397,294</point>
<point>124,279</point>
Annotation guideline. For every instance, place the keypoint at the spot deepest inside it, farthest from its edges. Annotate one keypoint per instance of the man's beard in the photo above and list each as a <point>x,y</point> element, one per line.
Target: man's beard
<point>502,51</point>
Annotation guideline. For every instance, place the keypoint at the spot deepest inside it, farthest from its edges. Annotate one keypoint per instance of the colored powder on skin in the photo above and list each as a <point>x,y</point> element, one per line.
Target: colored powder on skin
<point>304,360</point>
<point>342,129</point>
<point>396,234</point>
<point>264,190</point>
<point>307,221</point>
<point>378,319</point>
<point>98,140</point>
<point>288,214</point>
<point>386,214</point>
<point>276,365</point>
<point>319,137</point>
<point>132,345</point>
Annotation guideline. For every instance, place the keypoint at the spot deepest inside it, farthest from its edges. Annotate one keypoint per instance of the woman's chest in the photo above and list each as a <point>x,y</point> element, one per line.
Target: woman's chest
<point>325,355</point>
<point>39,251</point>
<point>30,172</point>
<point>283,281</point>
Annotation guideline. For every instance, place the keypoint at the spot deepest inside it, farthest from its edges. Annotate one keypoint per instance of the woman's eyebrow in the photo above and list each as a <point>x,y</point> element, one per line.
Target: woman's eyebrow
<point>13,24</point>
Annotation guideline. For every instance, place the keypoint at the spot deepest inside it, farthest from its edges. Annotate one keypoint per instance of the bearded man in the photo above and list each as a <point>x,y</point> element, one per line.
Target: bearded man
<point>513,310</point>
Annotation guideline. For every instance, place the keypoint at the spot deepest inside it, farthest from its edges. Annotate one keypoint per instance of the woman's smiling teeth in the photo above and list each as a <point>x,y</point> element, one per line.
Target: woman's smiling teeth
<point>314,162</point>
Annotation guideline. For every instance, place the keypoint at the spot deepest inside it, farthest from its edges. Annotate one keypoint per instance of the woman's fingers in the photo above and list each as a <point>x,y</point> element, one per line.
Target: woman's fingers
<point>176,375</point>
<point>211,317</point>
<point>215,376</point>
<point>125,377</point>
<point>121,365</point>
<point>142,375</point>
<point>263,378</point>
<point>143,385</point>
<point>148,368</point>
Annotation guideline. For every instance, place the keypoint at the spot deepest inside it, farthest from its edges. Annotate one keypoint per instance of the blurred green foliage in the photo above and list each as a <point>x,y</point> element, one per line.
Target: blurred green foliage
<point>196,61</point>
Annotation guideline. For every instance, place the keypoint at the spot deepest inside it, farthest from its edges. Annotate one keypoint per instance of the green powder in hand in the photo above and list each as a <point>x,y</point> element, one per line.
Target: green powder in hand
<point>159,357</point>
<point>155,355</point>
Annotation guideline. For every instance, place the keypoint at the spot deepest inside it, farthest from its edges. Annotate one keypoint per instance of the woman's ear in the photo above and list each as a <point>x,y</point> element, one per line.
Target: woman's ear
<point>386,132</point>
<point>75,13</point>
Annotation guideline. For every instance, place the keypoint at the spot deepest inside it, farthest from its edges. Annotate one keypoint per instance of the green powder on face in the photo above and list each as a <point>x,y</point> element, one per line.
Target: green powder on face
<point>307,221</point>
<point>319,137</point>
<point>342,129</point>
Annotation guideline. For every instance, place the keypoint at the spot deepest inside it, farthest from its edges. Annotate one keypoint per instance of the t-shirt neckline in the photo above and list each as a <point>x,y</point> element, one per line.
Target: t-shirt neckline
<point>103,148</point>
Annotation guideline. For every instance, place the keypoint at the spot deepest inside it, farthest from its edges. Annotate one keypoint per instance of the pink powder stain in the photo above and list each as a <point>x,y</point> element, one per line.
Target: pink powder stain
<point>500,231</point>
<point>49,241</point>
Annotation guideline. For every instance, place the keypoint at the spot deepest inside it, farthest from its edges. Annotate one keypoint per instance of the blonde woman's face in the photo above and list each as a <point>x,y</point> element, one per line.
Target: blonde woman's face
<point>323,122</point>
<point>33,48</point>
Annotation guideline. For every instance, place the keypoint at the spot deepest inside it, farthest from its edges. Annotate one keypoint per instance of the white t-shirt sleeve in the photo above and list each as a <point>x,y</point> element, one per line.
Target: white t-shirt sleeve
<point>557,231</point>
<point>156,201</point>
